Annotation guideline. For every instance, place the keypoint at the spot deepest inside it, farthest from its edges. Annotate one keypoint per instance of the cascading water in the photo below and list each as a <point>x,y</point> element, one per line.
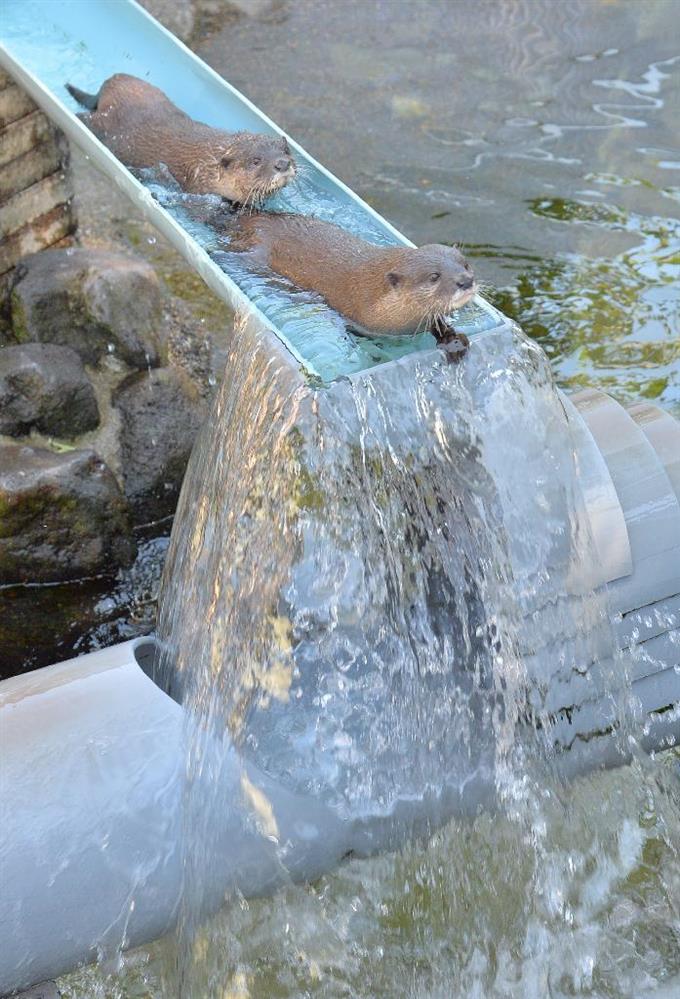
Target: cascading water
<point>369,590</point>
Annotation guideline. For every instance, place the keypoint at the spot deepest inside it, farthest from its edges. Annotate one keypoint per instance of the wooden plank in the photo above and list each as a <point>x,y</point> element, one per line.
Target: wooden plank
<point>38,235</point>
<point>36,200</point>
<point>28,169</point>
<point>14,104</point>
<point>17,138</point>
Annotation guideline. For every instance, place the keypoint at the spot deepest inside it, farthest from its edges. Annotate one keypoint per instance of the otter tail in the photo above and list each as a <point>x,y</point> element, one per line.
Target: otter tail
<point>88,101</point>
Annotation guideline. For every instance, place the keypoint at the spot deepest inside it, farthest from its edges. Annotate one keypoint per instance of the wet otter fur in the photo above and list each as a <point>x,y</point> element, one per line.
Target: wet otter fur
<point>143,128</point>
<point>379,289</point>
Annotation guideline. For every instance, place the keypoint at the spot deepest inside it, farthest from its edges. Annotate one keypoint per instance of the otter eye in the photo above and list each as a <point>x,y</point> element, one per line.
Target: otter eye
<point>433,278</point>
<point>226,162</point>
<point>393,278</point>
<point>256,160</point>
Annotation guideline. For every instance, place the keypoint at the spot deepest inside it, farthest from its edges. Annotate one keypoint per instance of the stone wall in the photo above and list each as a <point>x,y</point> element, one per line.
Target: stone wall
<point>36,194</point>
<point>105,366</point>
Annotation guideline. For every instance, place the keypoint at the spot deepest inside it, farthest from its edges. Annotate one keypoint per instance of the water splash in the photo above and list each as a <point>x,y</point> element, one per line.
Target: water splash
<point>366,583</point>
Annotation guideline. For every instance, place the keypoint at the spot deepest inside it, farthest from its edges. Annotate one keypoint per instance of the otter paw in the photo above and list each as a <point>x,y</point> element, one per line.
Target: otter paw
<point>455,348</point>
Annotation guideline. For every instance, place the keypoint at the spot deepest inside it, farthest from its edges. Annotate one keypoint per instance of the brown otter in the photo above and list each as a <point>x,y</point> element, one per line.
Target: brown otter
<point>143,128</point>
<point>379,289</point>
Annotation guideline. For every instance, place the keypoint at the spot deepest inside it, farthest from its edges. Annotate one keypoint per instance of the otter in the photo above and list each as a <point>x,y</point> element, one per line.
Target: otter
<point>144,129</point>
<point>378,289</point>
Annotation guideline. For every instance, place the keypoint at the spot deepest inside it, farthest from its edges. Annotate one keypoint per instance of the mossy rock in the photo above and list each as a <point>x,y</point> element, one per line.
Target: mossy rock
<point>94,301</point>
<point>62,516</point>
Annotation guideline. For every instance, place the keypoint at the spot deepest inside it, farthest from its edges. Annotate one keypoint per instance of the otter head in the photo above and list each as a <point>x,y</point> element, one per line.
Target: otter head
<point>252,168</point>
<point>425,284</point>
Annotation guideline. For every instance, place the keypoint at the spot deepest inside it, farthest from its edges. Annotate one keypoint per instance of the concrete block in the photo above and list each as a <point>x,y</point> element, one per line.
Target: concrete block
<point>14,104</point>
<point>22,135</point>
<point>38,234</point>
<point>33,166</point>
<point>34,201</point>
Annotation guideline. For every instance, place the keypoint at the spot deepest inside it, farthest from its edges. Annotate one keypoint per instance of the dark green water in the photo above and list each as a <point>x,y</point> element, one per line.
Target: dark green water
<point>543,136</point>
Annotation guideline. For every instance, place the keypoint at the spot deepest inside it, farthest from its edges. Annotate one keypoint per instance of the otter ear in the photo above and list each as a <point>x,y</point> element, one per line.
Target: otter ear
<point>225,161</point>
<point>284,145</point>
<point>394,279</point>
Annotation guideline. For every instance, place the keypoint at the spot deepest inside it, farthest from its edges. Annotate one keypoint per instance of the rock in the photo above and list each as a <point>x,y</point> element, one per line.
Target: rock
<point>254,8</point>
<point>175,15</point>
<point>45,387</point>
<point>62,516</point>
<point>161,412</point>
<point>95,301</point>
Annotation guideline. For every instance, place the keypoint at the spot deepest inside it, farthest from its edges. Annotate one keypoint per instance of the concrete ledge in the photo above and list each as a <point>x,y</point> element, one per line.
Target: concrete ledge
<point>22,135</point>
<point>35,184</point>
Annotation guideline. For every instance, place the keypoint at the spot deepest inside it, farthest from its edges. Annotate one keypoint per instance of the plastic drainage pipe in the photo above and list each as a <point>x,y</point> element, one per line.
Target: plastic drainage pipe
<point>91,771</point>
<point>92,753</point>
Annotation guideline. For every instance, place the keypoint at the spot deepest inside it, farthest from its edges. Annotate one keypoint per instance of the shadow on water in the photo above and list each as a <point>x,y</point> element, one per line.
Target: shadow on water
<point>44,624</point>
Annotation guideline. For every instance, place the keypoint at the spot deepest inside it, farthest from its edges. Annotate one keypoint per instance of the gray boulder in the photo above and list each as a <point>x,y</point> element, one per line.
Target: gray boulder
<point>62,516</point>
<point>161,412</point>
<point>177,16</point>
<point>44,386</point>
<point>95,301</point>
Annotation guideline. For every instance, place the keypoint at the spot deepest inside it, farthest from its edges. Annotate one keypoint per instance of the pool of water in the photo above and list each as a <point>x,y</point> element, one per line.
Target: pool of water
<point>543,137</point>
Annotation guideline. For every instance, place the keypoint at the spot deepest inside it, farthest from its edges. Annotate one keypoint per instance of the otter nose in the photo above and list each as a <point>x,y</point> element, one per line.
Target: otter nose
<point>282,165</point>
<point>465,283</point>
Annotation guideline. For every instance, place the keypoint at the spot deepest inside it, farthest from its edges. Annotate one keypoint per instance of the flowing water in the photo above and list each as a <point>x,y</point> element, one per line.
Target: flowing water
<point>553,158</point>
<point>355,577</point>
<point>317,333</point>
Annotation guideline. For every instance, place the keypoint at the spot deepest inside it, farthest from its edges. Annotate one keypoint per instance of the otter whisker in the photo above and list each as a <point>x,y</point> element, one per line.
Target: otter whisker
<point>423,325</point>
<point>243,206</point>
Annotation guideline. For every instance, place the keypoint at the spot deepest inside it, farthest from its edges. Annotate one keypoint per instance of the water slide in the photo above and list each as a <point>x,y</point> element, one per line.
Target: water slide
<point>93,750</point>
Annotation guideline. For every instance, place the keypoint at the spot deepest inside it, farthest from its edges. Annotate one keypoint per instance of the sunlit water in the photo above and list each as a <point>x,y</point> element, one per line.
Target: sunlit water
<point>555,161</point>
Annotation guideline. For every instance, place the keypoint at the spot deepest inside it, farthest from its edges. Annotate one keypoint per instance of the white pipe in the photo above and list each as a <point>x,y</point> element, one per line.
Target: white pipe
<point>92,775</point>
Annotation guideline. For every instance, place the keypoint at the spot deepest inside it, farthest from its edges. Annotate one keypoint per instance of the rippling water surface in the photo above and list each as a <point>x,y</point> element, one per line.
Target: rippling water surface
<point>543,137</point>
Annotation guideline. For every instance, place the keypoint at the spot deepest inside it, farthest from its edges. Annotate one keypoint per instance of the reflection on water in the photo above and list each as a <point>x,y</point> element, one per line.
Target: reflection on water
<point>460,124</point>
<point>609,322</point>
<point>48,623</point>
